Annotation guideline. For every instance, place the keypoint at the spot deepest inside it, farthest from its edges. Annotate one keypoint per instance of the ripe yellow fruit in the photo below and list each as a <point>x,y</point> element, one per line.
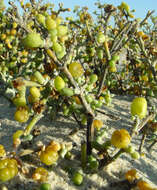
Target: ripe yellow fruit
<point>21,115</point>
<point>139,107</point>
<point>76,69</point>
<point>97,124</point>
<point>49,158</point>
<point>35,92</point>
<point>131,175</point>
<point>143,185</point>
<point>120,138</point>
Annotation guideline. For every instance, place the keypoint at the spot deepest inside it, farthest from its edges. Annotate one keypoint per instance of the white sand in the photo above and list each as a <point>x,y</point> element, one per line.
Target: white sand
<point>59,130</point>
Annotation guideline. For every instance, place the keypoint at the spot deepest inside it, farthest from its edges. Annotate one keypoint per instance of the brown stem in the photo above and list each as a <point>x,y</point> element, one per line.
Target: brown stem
<point>90,134</point>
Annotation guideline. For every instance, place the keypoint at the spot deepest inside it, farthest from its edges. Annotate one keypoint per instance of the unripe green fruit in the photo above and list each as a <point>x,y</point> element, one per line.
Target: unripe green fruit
<point>19,101</point>
<point>111,63</point>
<point>100,53</point>
<point>77,178</point>
<point>53,33</point>
<point>50,23</point>
<point>100,38</point>
<point>59,83</point>
<point>57,47</point>
<point>62,30</point>
<point>45,186</point>
<point>67,92</point>
<point>93,78</point>
<point>61,54</point>
<point>33,40</point>
<point>115,58</point>
<point>41,19</point>
<point>135,155</point>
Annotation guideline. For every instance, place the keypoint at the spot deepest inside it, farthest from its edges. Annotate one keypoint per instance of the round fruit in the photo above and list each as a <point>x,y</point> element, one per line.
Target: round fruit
<point>131,175</point>
<point>139,107</point>
<point>41,19</point>
<point>62,30</point>
<point>40,174</point>
<point>50,23</point>
<point>57,47</point>
<point>100,38</point>
<point>143,185</point>
<point>120,138</point>
<point>35,92</point>
<point>93,78</point>
<point>45,186</point>
<point>67,92</point>
<point>115,58</point>
<point>33,40</point>
<point>21,115</point>
<point>49,158</point>
<point>97,124</point>
<point>77,178</point>
<point>59,83</point>
<point>76,69</point>
<point>19,101</point>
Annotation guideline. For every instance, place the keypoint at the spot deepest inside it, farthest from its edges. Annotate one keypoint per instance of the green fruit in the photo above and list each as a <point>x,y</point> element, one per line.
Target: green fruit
<point>100,53</point>
<point>93,78</point>
<point>45,186</point>
<point>50,23</point>
<point>135,155</point>
<point>57,47</point>
<point>62,30</point>
<point>53,33</point>
<point>33,40</point>
<point>19,101</point>
<point>41,19</point>
<point>77,178</point>
<point>139,107</point>
<point>61,54</point>
<point>100,38</point>
<point>67,92</point>
<point>59,83</point>
<point>111,63</point>
<point>115,58</point>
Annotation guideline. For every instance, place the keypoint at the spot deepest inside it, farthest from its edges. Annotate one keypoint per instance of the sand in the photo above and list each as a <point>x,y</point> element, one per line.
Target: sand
<point>59,130</point>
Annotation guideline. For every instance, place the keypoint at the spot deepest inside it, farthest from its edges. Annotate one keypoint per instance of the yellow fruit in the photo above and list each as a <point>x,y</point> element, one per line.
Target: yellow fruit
<point>49,158</point>
<point>76,69</point>
<point>2,151</point>
<point>21,115</point>
<point>131,175</point>
<point>97,124</point>
<point>120,138</point>
<point>40,174</point>
<point>35,92</point>
<point>143,185</point>
<point>139,107</point>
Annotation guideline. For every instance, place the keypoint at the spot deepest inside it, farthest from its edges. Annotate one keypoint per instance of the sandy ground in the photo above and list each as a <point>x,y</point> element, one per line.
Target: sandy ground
<point>59,130</point>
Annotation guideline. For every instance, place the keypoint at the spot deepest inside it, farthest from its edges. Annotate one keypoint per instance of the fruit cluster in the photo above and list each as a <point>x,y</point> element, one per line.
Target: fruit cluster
<point>8,169</point>
<point>50,155</point>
